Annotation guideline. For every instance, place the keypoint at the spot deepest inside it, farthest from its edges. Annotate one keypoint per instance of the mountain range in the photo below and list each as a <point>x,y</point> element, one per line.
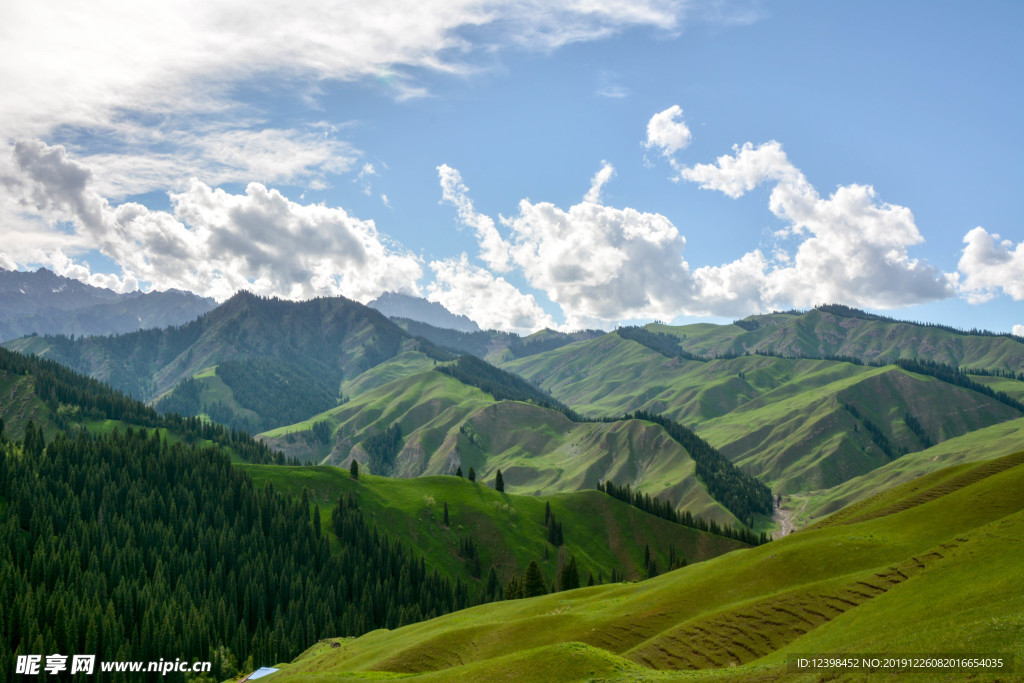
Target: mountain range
<point>460,467</point>
<point>42,302</point>
<point>803,401</point>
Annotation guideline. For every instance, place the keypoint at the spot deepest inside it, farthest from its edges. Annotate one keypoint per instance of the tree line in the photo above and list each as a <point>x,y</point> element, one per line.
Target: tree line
<point>741,493</point>
<point>665,510</point>
<point>73,398</point>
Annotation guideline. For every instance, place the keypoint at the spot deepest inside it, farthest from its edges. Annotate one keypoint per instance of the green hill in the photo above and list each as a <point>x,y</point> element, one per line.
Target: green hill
<point>446,424</point>
<point>602,533</point>
<point>281,360</point>
<point>829,331</point>
<point>798,424</point>
<point>983,444</point>
<point>930,567</point>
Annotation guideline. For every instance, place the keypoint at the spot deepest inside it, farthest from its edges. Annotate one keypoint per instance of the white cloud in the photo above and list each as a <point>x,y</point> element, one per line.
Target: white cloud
<point>598,181</point>
<point>602,263</point>
<point>491,302</point>
<point>1018,330</point>
<point>666,131</point>
<point>735,289</point>
<point>214,242</point>
<point>747,168</point>
<point>493,249</point>
<point>365,173</point>
<point>221,155</point>
<point>989,266</point>
<point>854,248</point>
<point>149,95</point>
<point>613,92</point>
<point>90,64</point>
<point>599,264</point>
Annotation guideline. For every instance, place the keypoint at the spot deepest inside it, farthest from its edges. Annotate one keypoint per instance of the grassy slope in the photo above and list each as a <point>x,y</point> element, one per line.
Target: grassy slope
<point>602,533</point>
<point>1012,387</point>
<point>781,418</point>
<point>402,365</point>
<point>19,404</point>
<point>446,424</point>
<point>818,333</point>
<point>931,567</point>
<point>983,444</point>
<point>805,439</point>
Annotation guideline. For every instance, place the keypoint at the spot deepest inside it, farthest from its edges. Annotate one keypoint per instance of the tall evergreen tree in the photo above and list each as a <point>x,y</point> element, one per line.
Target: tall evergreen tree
<point>569,576</point>
<point>353,469</point>
<point>499,483</point>
<point>533,581</point>
<point>472,474</point>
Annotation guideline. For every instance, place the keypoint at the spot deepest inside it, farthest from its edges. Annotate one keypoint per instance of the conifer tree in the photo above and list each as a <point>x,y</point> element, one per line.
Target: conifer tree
<point>499,483</point>
<point>458,471</point>
<point>569,576</point>
<point>533,581</point>
<point>493,588</point>
<point>472,474</point>
<point>353,469</point>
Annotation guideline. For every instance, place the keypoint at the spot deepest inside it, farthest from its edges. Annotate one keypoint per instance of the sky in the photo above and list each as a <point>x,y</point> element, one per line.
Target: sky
<point>528,164</point>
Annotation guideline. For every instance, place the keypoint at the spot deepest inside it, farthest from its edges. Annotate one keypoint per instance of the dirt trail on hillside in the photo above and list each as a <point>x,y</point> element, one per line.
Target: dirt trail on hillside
<point>785,518</point>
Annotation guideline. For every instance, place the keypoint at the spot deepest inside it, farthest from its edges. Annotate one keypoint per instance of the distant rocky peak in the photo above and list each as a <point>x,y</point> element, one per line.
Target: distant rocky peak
<point>395,305</point>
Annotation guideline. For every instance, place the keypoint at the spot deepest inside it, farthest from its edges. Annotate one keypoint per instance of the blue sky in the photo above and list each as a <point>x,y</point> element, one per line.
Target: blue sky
<point>586,165</point>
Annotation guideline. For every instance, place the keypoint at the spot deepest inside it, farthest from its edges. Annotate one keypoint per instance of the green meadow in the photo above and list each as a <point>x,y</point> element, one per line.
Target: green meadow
<point>931,566</point>
<point>602,533</point>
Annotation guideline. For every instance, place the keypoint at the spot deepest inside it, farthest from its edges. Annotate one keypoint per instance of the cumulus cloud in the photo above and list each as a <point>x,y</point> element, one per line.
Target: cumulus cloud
<point>854,249</point>
<point>493,249</point>
<point>667,132</point>
<point>491,302</point>
<point>1018,331</point>
<point>600,264</point>
<point>989,266</point>
<point>214,242</point>
<point>745,169</point>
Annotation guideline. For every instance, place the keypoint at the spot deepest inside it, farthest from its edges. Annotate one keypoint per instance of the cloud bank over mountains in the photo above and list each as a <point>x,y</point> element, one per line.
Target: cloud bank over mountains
<point>213,242</point>
<point>597,264</point>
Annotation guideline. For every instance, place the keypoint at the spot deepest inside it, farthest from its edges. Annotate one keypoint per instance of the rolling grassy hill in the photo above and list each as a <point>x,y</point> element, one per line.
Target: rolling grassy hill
<point>603,534</point>
<point>788,420</point>
<point>838,331</point>
<point>983,444</point>
<point>932,566</point>
<point>446,424</point>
